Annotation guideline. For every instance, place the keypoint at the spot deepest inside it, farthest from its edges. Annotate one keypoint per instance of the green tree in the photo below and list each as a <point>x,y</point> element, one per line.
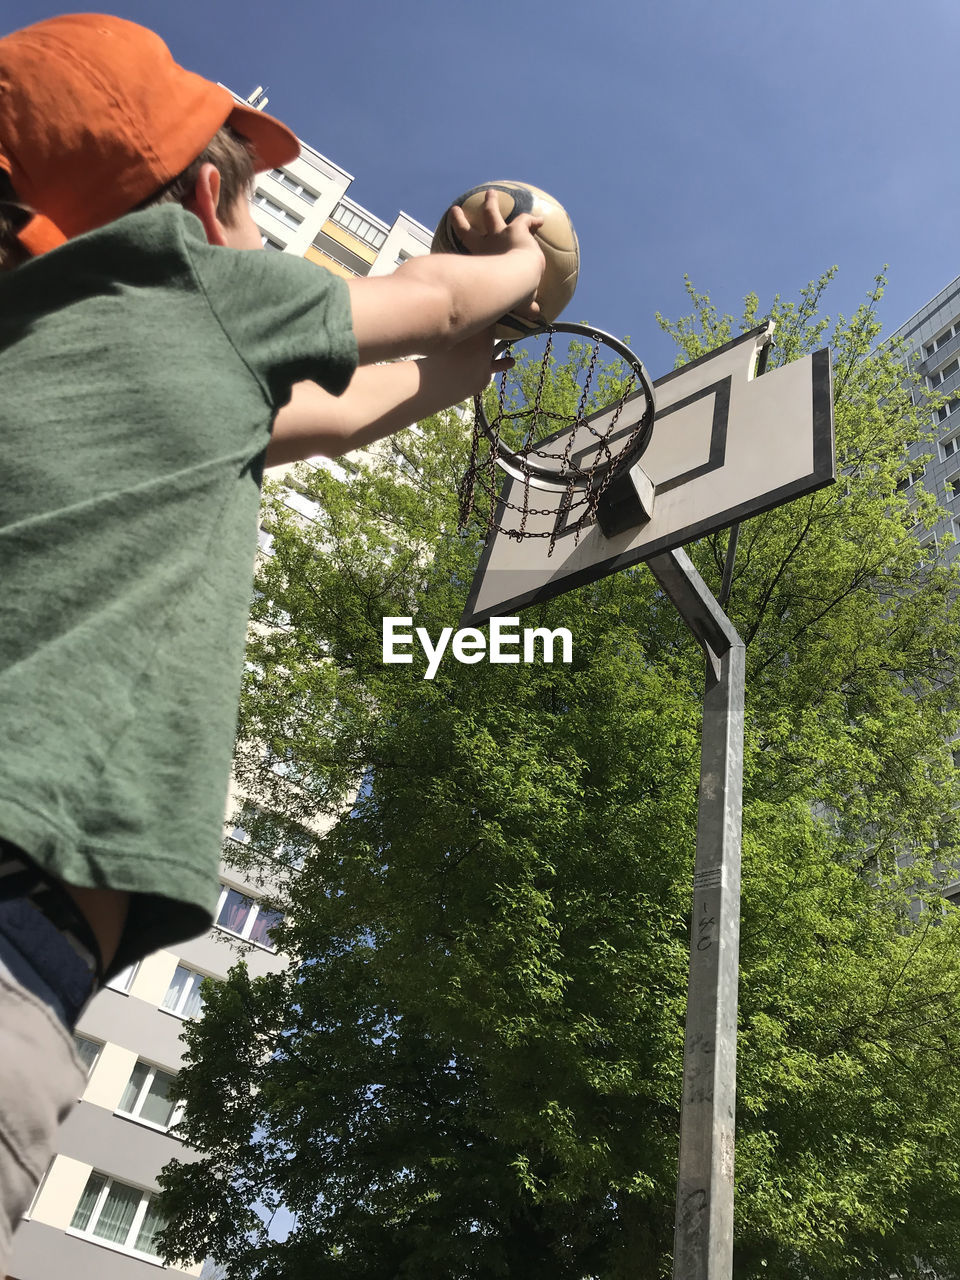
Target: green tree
<point>472,1067</point>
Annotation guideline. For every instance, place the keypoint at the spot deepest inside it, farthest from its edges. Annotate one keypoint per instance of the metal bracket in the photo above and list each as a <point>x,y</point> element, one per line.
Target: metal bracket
<point>627,502</point>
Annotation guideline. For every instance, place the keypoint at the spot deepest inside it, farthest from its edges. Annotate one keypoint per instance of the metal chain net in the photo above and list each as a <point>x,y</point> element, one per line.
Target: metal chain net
<point>583,482</point>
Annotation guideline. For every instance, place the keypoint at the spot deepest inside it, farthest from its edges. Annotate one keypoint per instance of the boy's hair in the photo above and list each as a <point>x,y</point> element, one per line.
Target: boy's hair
<point>13,216</point>
<point>231,154</point>
<point>228,151</point>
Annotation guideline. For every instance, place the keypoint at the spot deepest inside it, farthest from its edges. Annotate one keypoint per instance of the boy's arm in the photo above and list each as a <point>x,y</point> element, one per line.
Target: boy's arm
<point>430,304</point>
<point>442,306</point>
<point>380,400</point>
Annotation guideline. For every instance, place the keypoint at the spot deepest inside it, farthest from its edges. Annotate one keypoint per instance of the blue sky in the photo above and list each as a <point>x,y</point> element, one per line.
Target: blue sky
<point>750,146</point>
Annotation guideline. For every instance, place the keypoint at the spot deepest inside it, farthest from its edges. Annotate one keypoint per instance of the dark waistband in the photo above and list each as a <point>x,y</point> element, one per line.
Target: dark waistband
<point>22,881</point>
<point>39,957</point>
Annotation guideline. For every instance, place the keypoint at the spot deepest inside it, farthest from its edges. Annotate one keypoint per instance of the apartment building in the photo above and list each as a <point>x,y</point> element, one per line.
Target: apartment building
<point>305,209</point>
<point>94,1215</point>
<point>932,339</point>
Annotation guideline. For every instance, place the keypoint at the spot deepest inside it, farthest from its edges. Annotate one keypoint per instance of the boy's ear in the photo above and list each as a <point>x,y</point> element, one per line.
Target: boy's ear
<point>203,200</point>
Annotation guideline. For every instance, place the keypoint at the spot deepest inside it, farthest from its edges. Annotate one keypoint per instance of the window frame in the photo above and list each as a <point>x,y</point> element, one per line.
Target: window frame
<point>131,972</point>
<point>136,1223</point>
<point>97,1044</point>
<point>256,908</point>
<point>294,185</point>
<point>931,347</point>
<point>937,379</point>
<point>177,1010</point>
<point>930,542</point>
<point>352,221</point>
<point>176,1114</point>
<point>263,200</point>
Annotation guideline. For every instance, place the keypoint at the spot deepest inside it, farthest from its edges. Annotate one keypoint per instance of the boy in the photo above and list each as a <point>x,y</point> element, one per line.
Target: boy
<point>149,367</point>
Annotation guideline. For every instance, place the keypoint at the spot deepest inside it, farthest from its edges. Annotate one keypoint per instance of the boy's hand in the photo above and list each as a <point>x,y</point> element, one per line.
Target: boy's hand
<point>435,301</point>
<point>465,370</point>
<point>495,235</point>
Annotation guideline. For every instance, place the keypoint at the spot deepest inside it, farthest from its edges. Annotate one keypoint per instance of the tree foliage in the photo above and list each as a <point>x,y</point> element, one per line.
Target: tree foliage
<point>472,1067</point>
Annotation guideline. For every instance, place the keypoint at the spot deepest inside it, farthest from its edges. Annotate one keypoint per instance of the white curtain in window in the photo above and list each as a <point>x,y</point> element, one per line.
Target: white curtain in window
<point>116,1216</point>
<point>194,1000</point>
<point>152,1223</point>
<point>132,1092</point>
<point>157,1108</point>
<point>175,989</point>
<point>87,1051</point>
<point>81,1217</point>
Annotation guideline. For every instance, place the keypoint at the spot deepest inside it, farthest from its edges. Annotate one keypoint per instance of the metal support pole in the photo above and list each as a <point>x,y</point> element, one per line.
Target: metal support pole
<point>703,1241</point>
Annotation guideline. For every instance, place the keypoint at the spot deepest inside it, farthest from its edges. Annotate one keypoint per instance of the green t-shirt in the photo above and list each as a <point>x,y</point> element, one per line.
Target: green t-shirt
<point>140,372</point>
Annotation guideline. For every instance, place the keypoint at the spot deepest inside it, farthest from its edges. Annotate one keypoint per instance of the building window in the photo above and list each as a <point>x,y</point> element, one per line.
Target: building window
<point>121,981</point>
<point>290,852</point>
<point>285,215</point>
<point>268,242</point>
<point>262,925</point>
<point>303,506</point>
<point>291,183</point>
<point>146,1096</point>
<point>358,226</point>
<point>88,1051</point>
<point>242,916</point>
<point>942,340</point>
<point>183,994</point>
<point>941,375</point>
<point>948,447</point>
<point>117,1214</point>
<point>234,911</point>
<point>293,853</point>
<point>909,479</point>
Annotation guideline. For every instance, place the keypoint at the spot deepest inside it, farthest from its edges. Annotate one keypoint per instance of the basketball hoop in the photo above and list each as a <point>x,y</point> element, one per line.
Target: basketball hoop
<point>569,427</point>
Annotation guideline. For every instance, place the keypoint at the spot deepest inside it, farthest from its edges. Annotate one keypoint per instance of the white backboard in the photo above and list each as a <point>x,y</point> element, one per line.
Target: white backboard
<point>726,444</point>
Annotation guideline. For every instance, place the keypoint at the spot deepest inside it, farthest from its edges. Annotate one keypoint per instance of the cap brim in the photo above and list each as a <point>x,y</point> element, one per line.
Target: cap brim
<point>273,142</point>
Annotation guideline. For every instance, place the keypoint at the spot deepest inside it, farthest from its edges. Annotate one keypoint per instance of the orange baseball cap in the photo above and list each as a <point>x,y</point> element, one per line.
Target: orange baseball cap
<point>95,116</point>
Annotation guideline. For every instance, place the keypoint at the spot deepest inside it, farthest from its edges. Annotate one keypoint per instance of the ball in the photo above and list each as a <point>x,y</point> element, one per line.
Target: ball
<point>556,237</point>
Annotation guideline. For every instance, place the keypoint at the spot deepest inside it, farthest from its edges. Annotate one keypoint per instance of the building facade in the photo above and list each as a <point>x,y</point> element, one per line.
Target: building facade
<point>94,1214</point>
<point>305,209</point>
<point>932,340</point>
